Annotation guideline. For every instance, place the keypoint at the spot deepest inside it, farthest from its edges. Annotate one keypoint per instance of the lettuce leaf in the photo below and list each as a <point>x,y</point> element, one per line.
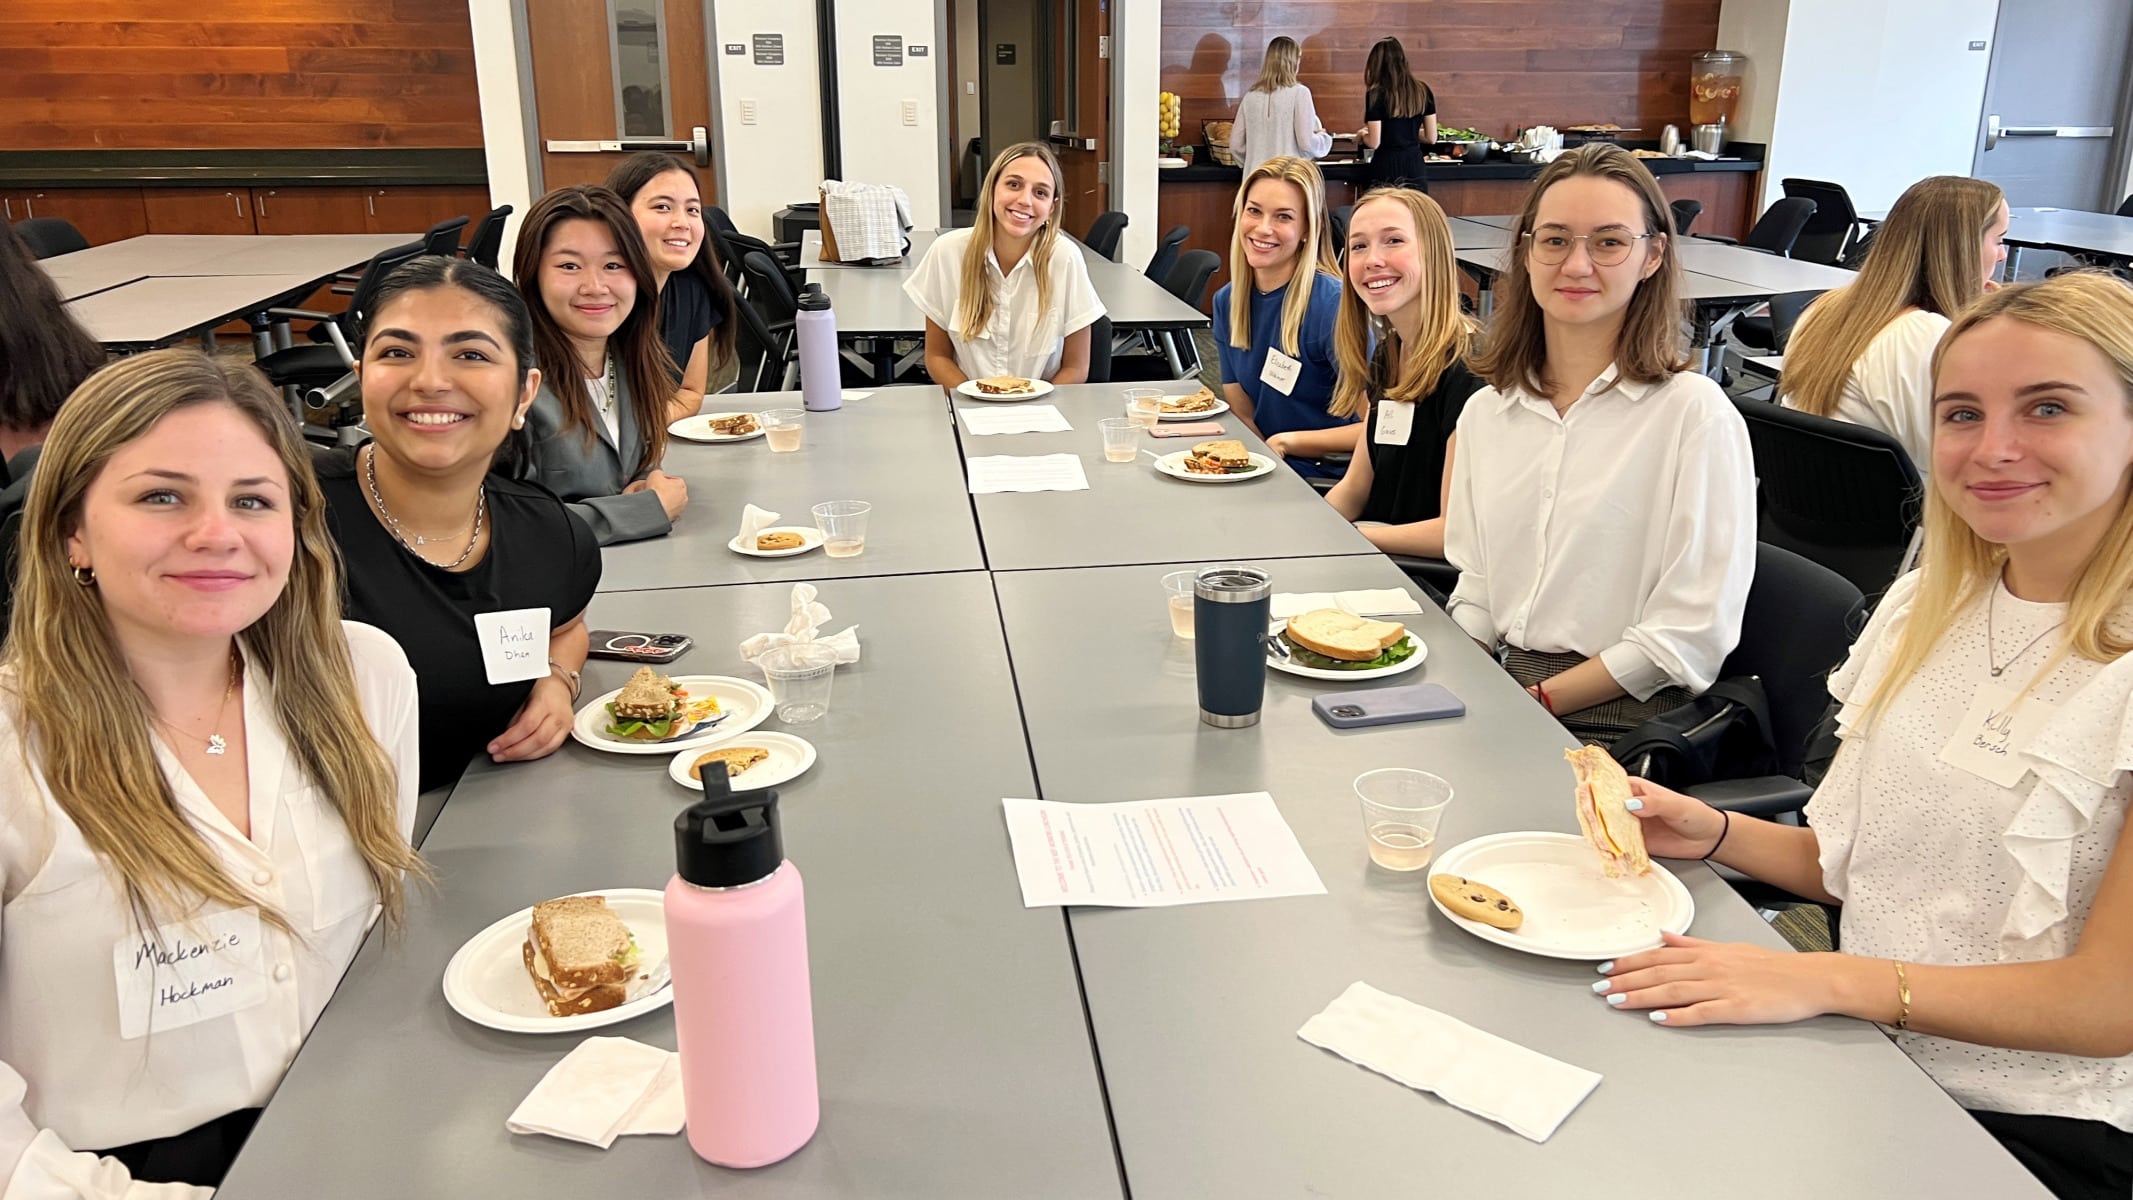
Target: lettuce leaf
<point>1393,655</point>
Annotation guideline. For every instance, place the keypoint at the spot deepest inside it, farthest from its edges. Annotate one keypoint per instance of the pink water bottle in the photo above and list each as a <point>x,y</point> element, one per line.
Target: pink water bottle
<point>743,1014</point>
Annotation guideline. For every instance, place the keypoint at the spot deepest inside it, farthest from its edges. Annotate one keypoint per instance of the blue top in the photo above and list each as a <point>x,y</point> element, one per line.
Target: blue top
<point>1305,405</point>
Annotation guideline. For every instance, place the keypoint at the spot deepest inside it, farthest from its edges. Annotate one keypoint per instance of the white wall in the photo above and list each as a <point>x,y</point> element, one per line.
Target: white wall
<point>1136,72</point>
<point>765,166</point>
<point>1755,28</point>
<point>505,113</point>
<point>878,147</point>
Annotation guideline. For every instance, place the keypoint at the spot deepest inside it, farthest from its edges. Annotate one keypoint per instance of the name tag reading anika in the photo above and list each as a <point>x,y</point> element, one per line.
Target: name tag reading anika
<point>189,972</point>
<point>514,644</point>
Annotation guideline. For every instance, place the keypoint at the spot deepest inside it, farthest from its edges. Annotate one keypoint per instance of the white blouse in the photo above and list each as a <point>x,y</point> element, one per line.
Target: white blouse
<point>1019,340</point>
<point>1890,388</point>
<point>1937,865</point>
<point>1624,529</point>
<point>74,973</point>
<point>1283,121</point>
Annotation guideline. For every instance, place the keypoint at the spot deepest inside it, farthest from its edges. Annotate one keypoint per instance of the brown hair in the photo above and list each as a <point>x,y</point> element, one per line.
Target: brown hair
<point>642,355</point>
<point>1648,348</point>
<point>1387,76</point>
<point>1314,252</point>
<point>103,774</point>
<point>974,309</point>
<point>631,176</point>
<point>1412,371</point>
<point>44,351</point>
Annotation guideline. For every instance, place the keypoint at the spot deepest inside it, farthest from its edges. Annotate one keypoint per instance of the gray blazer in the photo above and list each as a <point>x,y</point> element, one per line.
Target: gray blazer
<point>590,474</point>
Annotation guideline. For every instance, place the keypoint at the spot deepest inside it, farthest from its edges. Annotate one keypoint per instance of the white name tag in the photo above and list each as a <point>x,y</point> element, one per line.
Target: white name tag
<point>1396,422</point>
<point>1280,371</point>
<point>190,972</point>
<point>1993,734</point>
<point>514,644</point>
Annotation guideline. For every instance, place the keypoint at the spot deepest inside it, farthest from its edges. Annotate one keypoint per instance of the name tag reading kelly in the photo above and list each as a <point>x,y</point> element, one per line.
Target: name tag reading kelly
<point>190,972</point>
<point>1396,422</point>
<point>1993,734</point>
<point>514,644</point>
<point>1280,371</point>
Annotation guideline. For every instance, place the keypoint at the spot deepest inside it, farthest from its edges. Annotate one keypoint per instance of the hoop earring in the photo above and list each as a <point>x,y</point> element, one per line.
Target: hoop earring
<point>85,576</point>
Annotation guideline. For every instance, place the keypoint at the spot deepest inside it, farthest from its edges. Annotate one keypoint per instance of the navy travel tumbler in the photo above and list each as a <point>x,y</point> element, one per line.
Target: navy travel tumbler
<point>1229,613</point>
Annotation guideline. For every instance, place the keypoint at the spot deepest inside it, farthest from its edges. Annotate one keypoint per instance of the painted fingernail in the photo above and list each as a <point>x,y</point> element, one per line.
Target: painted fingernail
<point>1659,1017</point>
<point>1603,985</point>
<point>1605,967</point>
<point>1617,999</point>
<point>1633,804</point>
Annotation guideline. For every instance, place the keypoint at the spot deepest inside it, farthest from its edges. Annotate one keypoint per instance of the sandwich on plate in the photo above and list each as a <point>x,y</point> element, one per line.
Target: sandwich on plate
<point>582,957</point>
<point>649,708</point>
<point>1603,813</point>
<point>1005,385</point>
<point>1199,401</point>
<point>735,425</point>
<point>1225,457</point>
<point>1331,640</point>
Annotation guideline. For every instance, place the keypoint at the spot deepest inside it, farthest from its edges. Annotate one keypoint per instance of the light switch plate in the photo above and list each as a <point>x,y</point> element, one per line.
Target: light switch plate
<point>747,112</point>
<point>910,112</point>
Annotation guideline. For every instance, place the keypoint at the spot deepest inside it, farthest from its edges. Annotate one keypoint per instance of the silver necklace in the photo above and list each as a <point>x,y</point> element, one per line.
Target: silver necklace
<point>481,506</point>
<point>607,386</point>
<point>216,743</point>
<point>1992,659</point>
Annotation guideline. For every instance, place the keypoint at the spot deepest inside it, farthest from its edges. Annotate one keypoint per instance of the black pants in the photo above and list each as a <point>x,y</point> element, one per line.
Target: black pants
<point>2076,1159</point>
<point>200,1156</point>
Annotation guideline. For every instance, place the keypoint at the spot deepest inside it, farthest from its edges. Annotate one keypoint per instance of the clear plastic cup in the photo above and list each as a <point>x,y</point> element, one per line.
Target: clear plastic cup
<point>783,429</point>
<point>844,527</point>
<point>1122,439</point>
<point>1401,808</point>
<point>799,675</point>
<point>1177,594</point>
<point>1144,406</point>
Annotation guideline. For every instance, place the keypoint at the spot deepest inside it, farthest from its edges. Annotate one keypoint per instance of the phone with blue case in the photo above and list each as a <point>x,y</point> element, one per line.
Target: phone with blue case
<point>1388,706</point>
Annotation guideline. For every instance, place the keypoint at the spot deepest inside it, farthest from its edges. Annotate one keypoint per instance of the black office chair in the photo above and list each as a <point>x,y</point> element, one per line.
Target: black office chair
<point>1830,229</point>
<point>1770,333</point>
<point>50,237</point>
<point>1685,214</point>
<point>735,247</point>
<point>1188,279</point>
<point>1100,351</point>
<point>1166,253</point>
<point>488,239</point>
<point>2125,206</point>
<point>301,367</point>
<point>762,348</point>
<point>1337,220</point>
<point>772,293</point>
<point>1777,230</point>
<point>1188,282</point>
<point>1855,255</point>
<point>1844,495</point>
<point>443,237</point>
<point>1105,232</point>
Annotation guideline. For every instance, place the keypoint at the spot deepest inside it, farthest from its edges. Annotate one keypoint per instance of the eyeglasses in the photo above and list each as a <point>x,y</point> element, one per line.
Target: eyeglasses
<point>1609,248</point>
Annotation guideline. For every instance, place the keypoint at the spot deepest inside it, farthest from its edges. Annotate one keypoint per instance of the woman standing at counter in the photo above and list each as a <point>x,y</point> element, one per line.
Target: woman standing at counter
<point>1399,118</point>
<point>1276,117</point>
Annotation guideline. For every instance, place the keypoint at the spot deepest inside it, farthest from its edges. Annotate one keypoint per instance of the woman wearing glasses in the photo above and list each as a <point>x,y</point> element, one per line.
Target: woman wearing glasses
<point>1602,510</point>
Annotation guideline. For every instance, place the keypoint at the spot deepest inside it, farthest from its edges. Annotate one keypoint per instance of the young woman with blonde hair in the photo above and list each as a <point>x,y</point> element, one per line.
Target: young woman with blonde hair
<point>1276,348</point>
<point>1403,283</point>
<point>1970,823</point>
<point>1864,352</point>
<point>1276,117</point>
<point>207,782</point>
<point>1602,511</point>
<point>1009,295</point>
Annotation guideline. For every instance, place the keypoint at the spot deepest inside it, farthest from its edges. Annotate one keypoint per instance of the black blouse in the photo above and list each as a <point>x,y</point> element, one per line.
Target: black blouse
<point>1407,482</point>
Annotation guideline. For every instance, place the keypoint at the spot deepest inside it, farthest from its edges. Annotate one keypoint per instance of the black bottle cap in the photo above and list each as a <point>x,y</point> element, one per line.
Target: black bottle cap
<point>813,298</point>
<point>728,840</point>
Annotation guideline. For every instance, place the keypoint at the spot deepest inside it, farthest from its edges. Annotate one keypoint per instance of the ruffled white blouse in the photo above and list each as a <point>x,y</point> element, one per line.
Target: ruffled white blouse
<point>1938,865</point>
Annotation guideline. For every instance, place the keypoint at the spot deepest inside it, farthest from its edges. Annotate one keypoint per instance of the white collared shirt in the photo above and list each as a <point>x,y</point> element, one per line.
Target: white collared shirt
<point>1019,340</point>
<point>1890,388</point>
<point>68,1078</point>
<point>1624,529</point>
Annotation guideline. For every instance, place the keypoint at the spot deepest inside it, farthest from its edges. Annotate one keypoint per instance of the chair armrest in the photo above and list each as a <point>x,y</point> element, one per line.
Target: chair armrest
<point>340,343</point>
<point>1759,796</point>
<point>1435,572</point>
<point>779,326</point>
<point>1335,458</point>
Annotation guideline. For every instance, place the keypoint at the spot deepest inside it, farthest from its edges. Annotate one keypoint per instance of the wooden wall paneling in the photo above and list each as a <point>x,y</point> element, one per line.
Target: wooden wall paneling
<point>286,210</point>
<point>198,210</point>
<point>101,214</point>
<point>414,209</point>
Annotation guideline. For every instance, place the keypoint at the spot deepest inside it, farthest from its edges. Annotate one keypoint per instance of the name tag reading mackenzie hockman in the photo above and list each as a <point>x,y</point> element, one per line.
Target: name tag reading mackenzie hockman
<point>190,972</point>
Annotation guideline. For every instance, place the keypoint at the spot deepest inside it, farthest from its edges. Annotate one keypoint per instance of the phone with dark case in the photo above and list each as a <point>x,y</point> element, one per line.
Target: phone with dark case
<point>654,648</point>
<point>1388,706</point>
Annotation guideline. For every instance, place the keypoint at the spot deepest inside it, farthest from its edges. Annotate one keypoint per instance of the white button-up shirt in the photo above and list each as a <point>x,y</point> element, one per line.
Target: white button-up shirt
<point>1622,529</point>
<point>1019,340</point>
<point>68,1077</point>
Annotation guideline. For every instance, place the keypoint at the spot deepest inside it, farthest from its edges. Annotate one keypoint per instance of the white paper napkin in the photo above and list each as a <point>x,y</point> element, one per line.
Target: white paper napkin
<point>754,521</point>
<point>1523,1090</point>
<point>607,1088</point>
<point>1022,418</point>
<point>1284,605</point>
<point>1027,473</point>
<point>808,617</point>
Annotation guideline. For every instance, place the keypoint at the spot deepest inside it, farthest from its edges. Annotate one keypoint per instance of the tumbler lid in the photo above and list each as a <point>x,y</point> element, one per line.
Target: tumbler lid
<point>728,840</point>
<point>1232,583</point>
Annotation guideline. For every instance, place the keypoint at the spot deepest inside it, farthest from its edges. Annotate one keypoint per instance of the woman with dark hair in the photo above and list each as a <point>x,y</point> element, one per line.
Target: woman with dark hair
<point>436,531</point>
<point>696,317</point>
<point>44,356</point>
<point>598,426</point>
<point>1399,118</point>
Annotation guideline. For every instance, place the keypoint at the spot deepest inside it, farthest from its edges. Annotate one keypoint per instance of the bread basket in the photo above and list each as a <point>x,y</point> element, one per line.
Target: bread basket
<point>1216,135</point>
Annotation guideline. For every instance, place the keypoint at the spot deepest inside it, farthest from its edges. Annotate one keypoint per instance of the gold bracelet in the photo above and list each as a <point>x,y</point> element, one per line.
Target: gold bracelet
<point>1903,997</point>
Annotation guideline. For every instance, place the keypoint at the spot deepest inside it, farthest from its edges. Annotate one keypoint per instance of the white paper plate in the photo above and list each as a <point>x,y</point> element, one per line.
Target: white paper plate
<point>1205,414</point>
<point>745,705</point>
<point>1573,910</point>
<point>969,387</point>
<point>810,538</point>
<point>1290,666</point>
<point>698,428</point>
<point>790,757</point>
<point>1173,464</point>
<point>486,981</point>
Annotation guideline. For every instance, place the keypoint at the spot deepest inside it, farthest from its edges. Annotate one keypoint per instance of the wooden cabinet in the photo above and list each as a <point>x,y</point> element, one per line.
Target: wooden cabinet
<point>198,210</point>
<point>101,214</point>
<point>285,210</point>
<point>413,209</point>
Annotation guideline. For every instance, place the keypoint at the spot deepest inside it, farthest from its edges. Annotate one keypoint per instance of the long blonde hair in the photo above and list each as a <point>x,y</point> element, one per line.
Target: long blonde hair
<point>1315,251</point>
<point>1284,58</point>
<point>103,773</point>
<point>974,308</point>
<point>1925,256</point>
<point>1445,333</point>
<point>1958,565</point>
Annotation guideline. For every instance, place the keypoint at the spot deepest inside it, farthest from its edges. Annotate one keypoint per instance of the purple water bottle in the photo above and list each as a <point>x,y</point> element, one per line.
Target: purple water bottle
<point>821,375</point>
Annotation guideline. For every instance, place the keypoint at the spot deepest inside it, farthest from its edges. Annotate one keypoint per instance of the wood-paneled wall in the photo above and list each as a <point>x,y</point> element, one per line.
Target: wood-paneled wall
<point>1497,65</point>
<point>236,74</point>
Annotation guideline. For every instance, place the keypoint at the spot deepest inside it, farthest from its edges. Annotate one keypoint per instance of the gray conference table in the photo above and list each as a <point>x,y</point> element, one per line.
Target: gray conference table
<point>1133,514</point>
<point>158,310</point>
<point>1470,234</point>
<point>953,1053</point>
<point>811,253</point>
<point>1195,1008</point>
<point>320,254</point>
<point>2069,231</point>
<point>894,449</point>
